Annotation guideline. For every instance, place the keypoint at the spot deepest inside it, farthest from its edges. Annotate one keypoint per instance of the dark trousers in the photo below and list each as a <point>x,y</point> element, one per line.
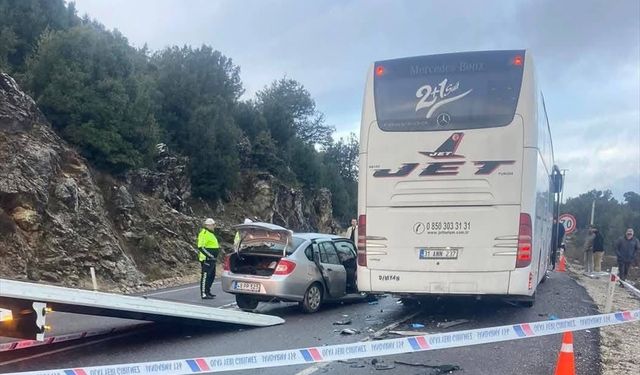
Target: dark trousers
<point>554,256</point>
<point>623,269</point>
<point>208,273</point>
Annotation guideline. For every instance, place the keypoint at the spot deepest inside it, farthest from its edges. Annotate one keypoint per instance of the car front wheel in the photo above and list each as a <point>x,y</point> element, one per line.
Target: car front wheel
<point>312,299</point>
<point>246,303</point>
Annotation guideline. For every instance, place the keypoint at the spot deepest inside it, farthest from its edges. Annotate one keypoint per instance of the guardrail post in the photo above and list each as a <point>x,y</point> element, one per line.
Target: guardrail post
<point>613,276</point>
<point>93,279</point>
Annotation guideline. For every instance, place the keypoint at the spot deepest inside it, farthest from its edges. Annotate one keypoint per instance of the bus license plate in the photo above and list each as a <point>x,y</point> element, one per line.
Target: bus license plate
<point>246,286</point>
<point>438,253</point>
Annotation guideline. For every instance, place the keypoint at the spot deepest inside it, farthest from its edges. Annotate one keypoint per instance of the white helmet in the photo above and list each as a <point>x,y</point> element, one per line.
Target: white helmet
<point>247,221</point>
<point>209,221</point>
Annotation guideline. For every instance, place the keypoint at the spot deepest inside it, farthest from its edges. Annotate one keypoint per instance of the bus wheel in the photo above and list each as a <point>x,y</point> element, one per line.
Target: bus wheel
<point>529,302</point>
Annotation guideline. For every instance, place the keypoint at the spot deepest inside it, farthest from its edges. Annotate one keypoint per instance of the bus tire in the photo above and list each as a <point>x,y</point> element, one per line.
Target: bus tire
<point>246,303</point>
<point>529,302</point>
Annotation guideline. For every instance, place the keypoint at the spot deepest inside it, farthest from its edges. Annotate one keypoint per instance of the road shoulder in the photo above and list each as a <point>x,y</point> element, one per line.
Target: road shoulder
<point>619,343</point>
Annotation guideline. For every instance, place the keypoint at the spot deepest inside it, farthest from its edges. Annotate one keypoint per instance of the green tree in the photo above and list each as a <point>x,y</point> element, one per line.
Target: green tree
<point>632,200</point>
<point>249,118</point>
<point>306,164</point>
<point>188,79</point>
<point>341,163</point>
<point>8,44</point>
<point>24,21</point>
<point>198,91</point>
<point>611,217</point>
<point>344,154</point>
<point>290,113</point>
<point>92,86</point>
<point>215,162</point>
<point>264,156</point>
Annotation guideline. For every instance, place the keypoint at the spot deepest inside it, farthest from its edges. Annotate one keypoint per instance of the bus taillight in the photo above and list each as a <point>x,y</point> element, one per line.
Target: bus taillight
<point>362,240</point>
<point>517,61</point>
<point>523,257</point>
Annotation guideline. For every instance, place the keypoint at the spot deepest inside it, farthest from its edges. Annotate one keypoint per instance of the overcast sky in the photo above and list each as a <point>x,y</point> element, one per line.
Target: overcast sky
<point>587,54</point>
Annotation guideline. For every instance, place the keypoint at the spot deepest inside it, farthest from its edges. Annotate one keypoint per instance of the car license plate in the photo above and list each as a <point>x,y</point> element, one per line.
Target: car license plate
<point>438,253</point>
<point>246,286</point>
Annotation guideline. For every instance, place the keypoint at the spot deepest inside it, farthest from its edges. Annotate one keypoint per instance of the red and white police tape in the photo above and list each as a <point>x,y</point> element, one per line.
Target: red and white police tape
<point>630,287</point>
<point>23,344</point>
<point>355,350</point>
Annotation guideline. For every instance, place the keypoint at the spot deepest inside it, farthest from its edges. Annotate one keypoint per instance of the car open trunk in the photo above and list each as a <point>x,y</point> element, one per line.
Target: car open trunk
<point>260,248</point>
<point>253,264</point>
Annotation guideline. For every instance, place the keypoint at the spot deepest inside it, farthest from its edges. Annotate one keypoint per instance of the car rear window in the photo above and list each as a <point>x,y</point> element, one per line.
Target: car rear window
<point>295,244</point>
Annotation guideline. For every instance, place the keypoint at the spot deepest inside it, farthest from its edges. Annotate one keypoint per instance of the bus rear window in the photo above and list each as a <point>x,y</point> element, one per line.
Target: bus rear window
<point>448,92</point>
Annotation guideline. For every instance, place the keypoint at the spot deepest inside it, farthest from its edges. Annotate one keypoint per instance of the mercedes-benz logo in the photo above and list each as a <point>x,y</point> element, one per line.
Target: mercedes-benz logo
<point>418,228</point>
<point>443,119</point>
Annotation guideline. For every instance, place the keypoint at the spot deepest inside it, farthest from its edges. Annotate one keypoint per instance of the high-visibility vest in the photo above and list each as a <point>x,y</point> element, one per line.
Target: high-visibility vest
<point>208,241</point>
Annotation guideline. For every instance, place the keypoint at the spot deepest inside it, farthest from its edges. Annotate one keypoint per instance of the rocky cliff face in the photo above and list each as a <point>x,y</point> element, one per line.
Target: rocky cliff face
<point>58,217</point>
<point>54,217</point>
<point>269,200</point>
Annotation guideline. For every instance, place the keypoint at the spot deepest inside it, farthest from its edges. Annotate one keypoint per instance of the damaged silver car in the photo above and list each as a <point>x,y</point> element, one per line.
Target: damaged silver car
<point>271,263</point>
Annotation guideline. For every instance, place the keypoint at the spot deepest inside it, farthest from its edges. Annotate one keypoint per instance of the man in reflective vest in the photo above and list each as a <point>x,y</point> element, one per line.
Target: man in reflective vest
<point>236,239</point>
<point>208,249</point>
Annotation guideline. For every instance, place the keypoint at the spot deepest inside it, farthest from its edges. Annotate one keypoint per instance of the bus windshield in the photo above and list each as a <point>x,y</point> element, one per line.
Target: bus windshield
<point>448,92</point>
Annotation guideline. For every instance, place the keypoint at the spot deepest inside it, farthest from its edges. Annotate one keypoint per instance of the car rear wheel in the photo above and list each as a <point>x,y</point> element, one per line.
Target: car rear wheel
<point>312,299</point>
<point>246,303</point>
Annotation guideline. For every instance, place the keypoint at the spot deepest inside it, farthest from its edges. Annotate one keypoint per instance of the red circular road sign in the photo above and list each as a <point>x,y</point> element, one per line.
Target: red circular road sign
<point>569,222</point>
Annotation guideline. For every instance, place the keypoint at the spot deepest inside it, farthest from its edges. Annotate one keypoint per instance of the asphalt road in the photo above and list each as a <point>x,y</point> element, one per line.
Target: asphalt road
<point>560,296</point>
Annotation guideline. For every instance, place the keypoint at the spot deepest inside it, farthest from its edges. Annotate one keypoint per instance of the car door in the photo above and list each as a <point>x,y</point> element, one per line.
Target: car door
<point>347,255</point>
<point>332,270</point>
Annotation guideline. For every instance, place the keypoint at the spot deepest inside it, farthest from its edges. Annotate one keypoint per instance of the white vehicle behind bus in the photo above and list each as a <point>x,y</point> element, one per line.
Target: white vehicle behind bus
<point>457,181</point>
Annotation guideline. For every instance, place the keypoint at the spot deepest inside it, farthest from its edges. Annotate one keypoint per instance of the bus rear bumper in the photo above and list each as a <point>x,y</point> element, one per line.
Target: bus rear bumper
<point>445,283</point>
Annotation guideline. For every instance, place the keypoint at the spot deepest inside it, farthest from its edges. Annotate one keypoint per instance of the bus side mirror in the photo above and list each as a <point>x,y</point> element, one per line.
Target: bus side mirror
<point>557,182</point>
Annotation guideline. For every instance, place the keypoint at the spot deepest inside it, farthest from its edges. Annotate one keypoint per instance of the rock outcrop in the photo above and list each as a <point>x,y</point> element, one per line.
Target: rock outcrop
<point>268,199</point>
<point>59,217</point>
<point>55,224</point>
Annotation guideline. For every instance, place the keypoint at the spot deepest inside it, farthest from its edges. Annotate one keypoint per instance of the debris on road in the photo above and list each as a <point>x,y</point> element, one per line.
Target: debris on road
<point>408,333</point>
<point>381,365</point>
<point>345,322</point>
<point>439,369</point>
<point>452,323</point>
<point>417,325</point>
<point>349,331</point>
<point>373,302</point>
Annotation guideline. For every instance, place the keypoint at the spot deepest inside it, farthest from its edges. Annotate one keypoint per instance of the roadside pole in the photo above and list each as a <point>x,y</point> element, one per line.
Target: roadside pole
<point>612,287</point>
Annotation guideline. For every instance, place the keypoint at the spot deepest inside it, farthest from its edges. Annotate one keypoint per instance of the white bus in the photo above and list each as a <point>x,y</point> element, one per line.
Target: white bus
<point>455,193</point>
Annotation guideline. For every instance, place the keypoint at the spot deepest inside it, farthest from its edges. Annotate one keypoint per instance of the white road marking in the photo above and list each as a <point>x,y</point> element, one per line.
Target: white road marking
<point>312,369</point>
<point>232,304</point>
<point>21,359</point>
<point>177,290</point>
